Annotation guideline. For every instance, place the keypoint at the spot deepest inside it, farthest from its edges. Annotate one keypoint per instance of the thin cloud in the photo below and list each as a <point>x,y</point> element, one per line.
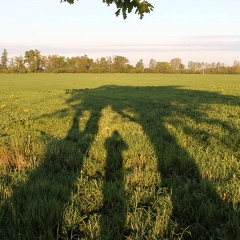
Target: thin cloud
<point>170,44</point>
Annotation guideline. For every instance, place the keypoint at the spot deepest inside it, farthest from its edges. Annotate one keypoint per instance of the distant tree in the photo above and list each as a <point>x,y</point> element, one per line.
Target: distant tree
<point>50,63</point>
<point>103,65</point>
<point>152,64</point>
<point>176,64</point>
<point>11,65</point>
<point>197,67</point>
<point>120,64</point>
<point>110,63</point>
<point>192,66</point>
<point>221,68</point>
<point>70,62</point>
<point>164,67</point>
<point>83,64</point>
<point>139,66</point>
<point>45,63</point>
<point>236,66</point>
<point>54,63</point>
<point>19,63</point>
<point>4,59</point>
<point>203,67</point>
<point>211,67</point>
<point>126,6</point>
<point>236,63</point>
<point>33,60</point>
<point>60,62</point>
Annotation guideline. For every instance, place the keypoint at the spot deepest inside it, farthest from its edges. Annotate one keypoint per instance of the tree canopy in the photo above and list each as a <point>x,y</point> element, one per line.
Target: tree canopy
<point>126,6</point>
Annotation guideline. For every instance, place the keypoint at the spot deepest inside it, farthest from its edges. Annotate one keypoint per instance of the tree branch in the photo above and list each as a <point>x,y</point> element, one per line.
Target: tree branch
<point>126,6</point>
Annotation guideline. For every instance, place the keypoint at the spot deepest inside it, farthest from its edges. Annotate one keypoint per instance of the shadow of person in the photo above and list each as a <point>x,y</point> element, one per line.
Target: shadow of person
<point>166,115</point>
<point>35,209</point>
<point>164,112</point>
<point>171,117</point>
<point>114,210</point>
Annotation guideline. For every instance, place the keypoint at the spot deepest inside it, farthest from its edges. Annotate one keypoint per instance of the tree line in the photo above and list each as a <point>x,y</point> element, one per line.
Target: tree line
<point>34,62</point>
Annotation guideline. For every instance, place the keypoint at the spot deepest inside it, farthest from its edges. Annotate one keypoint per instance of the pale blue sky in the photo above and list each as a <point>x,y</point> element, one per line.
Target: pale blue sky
<point>194,30</point>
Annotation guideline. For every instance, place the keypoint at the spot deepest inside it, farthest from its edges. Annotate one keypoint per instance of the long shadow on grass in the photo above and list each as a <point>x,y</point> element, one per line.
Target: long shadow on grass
<point>198,209</point>
<point>36,208</point>
<point>114,209</point>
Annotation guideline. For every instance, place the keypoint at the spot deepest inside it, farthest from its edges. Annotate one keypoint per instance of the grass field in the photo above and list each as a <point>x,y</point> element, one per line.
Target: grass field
<point>119,156</point>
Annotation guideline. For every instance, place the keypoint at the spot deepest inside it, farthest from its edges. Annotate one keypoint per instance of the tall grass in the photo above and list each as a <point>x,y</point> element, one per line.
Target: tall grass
<point>119,156</point>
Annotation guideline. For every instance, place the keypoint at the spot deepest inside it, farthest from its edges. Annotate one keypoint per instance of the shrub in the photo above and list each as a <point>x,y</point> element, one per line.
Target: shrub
<point>23,71</point>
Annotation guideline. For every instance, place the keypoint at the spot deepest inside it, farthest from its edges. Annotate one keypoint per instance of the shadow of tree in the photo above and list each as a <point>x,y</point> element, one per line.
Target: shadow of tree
<point>197,207</point>
<point>161,112</point>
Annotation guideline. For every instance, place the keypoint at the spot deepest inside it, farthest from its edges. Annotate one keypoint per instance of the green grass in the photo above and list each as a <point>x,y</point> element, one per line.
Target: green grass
<point>119,156</point>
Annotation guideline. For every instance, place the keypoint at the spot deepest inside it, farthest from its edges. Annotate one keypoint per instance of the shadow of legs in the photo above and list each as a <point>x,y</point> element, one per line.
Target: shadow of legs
<point>114,209</point>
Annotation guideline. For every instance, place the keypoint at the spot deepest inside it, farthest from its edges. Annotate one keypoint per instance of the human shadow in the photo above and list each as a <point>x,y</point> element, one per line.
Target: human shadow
<point>197,208</point>
<point>35,209</point>
<point>114,210</point>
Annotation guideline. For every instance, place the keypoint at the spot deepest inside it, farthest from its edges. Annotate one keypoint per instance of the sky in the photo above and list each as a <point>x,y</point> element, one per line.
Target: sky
<point>193,30</point>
